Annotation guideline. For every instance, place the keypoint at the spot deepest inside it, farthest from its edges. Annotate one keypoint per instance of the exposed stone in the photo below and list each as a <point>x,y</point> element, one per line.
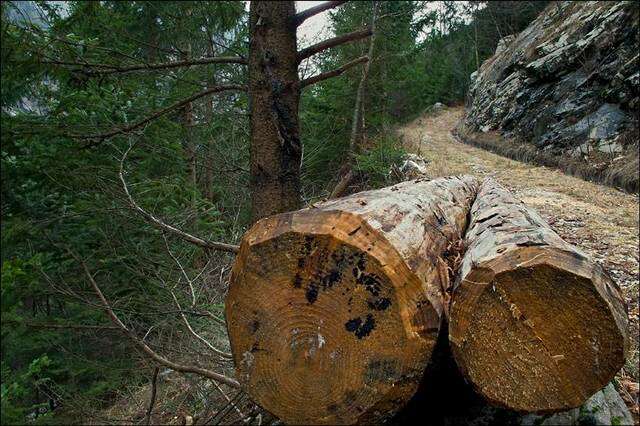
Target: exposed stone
<point>569,79</point>
<point>604,408</point>
<point>413,167</point>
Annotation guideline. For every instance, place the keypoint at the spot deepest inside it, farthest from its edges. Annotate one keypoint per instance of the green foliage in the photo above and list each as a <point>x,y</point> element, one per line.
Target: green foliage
<point>377,162</point>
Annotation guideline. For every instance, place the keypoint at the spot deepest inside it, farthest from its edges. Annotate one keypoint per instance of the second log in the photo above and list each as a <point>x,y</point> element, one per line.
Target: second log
<point>535,325</point>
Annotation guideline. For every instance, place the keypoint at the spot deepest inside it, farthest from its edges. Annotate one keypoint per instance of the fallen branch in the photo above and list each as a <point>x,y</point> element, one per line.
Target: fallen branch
<point>143,346</point>
<point>333,73</point>
<point>332,42</point>
<point>166,227</point>
<point>126,129</point>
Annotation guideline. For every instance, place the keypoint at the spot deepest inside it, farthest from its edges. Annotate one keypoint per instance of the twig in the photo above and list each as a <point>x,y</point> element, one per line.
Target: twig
<point>143,346</point>
<point>67,326</point>
<point>105,69</point>
<point>184,273</point>
<point>229,401</point>
<point>101,137</point>
<point>164,226</point>
<point>196,335</point>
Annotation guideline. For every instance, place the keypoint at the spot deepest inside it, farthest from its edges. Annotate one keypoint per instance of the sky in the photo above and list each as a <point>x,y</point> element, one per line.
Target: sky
<point>313,27</point>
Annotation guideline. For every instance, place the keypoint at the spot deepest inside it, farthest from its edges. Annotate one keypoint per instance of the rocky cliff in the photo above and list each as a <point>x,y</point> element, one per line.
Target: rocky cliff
<point>569,85</point>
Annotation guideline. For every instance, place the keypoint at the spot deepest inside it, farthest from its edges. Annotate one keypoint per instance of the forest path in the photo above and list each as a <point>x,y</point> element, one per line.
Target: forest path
<point>598,219</point>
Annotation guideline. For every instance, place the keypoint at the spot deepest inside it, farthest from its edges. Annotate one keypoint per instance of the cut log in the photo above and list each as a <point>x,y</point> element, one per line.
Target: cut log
<point>333,311</point>
<point>534,325</point>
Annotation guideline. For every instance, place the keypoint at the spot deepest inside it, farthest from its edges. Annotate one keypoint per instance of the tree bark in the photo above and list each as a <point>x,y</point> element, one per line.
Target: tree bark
<point>274,93</point>
<point>209,157</point>
<point>534,324</point>
<point>333,311</point>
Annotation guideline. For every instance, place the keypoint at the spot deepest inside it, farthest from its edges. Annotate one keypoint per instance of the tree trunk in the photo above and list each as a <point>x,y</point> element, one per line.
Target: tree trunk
<point>209,158</point>
<point>276,151</point>
<point>188,143</point>
<point>534,324</point>
<point>333,311</point>
<point>357,123</point>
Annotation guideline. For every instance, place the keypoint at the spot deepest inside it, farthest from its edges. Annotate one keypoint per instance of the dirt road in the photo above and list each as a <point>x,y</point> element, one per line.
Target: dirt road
<point>600,220</point>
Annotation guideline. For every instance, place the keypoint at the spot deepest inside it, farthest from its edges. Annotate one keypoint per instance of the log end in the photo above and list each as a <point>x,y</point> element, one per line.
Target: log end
<point>326,322</point>
<point>538,329</point>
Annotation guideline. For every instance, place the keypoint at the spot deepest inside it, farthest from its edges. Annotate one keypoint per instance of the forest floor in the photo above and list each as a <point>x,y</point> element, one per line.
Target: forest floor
<point>600,220</point>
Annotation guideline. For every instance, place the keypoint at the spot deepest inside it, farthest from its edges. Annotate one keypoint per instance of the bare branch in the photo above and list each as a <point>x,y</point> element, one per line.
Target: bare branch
<point>333,73</point>
<point>332,42</point>
<point>105,69</point>
<point>299,18</point>
<point>143,346</point>
<point>184,273</point>
<point>195,334</point>
<point>166,227</point>
<point>230,401</point>
<point>215,318</point>
<point>67,326</point>
<point>126,129</point>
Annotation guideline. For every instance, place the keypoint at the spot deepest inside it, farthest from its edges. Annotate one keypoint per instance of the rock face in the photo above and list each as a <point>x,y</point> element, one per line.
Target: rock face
<point>569,83</point>
<point>604,408</point>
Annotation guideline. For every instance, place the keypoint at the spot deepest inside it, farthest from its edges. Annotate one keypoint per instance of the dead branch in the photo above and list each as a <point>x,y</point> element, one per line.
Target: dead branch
<point>105,69</point>
<point>333,73</point>
<point>332,42</point>
<point>230,401</point>
<point>66,326</point>
<point>143,346</point>
<point>98,138</point>
<point>184,273</point>
<point>299,18</point>
<point>195,334</point>
<point>166,227</point>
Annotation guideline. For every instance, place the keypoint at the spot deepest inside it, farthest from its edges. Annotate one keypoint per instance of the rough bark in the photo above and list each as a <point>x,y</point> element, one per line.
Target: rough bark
<point>274,91</point>
<point>333,311</point>
<point>534,324</point>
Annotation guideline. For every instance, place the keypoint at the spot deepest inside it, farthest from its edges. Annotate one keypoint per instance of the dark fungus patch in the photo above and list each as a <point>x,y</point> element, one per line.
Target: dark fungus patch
<point>330,279</point>
<point>297,281</point>
<point>380,304</point>
<point>312,293</point>
<point>353,324</point>
<point>361,328</point>
<point>325,283</point>
<point>255,325</point>
<point>371,283</point>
